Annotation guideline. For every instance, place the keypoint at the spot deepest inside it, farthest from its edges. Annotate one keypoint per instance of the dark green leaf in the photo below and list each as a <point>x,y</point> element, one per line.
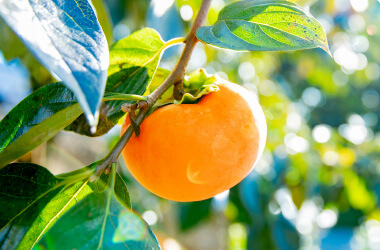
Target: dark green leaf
<point>36,119</point>
<point>69,42</point>
<point>25,190</point>
<point>22,184</point>
<point>261,25</point>
<point>32,199</point>
<point>67,198</point>
<point>121,192</point>
<point>133,63</point>
<point>99,221</point>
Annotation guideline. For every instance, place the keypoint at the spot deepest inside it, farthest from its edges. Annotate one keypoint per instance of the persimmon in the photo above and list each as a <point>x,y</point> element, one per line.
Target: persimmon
<point>191,152</point>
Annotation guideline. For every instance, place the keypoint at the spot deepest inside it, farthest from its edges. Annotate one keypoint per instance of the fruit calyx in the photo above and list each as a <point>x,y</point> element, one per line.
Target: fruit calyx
<point>196,85</point>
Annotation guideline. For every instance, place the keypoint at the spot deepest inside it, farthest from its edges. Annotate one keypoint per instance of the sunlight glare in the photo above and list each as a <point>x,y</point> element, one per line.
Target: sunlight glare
<point>150,217</point>
<point>161,6</point>
<point>321,133</point>
<point>186,12</point>
<point>359,5</point>
<point>327,218</point>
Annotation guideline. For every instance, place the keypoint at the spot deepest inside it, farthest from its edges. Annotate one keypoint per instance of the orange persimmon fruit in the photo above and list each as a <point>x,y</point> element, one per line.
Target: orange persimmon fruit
<point>191,152</point>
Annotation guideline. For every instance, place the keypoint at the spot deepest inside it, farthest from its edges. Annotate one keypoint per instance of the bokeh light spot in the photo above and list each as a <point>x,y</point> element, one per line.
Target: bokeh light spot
<point>321,133</point>
<point>150,217</point>
<point>186,12</point>
<point>359,5</point>
<point>371,99</point>
<point>327,218</point>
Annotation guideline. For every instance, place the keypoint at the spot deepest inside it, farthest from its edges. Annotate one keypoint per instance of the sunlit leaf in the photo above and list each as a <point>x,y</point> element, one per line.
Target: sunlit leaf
<point>36,119</point>
<point>67,38</point>
<point>160,75</point>
<point>32,199</point>
<point>133,63</point>
<point>260,25</point>
<point>21,185</point>
<point>25,191</point>
<point>100,221</point>
<point>67,198</point>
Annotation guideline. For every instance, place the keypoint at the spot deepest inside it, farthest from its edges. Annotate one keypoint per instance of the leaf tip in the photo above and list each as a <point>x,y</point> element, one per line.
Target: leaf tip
<point>93,121</point>
<point>327,50</point>
<point>93,129</point>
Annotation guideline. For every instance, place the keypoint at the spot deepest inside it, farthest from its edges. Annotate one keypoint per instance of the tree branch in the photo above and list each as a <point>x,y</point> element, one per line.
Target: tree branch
<point>174,77</point>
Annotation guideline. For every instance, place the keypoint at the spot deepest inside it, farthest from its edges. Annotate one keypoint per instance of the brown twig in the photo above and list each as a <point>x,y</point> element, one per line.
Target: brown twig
<point>174,77</point>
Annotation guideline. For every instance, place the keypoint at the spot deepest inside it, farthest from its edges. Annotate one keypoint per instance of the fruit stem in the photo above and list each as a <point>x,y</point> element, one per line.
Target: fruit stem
<point>175,76</point>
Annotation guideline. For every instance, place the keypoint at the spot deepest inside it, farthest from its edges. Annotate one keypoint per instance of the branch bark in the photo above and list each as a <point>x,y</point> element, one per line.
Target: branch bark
<point>176,76</point>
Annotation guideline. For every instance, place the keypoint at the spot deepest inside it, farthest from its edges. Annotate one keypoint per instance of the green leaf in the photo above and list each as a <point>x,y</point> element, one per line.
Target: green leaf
<point>21,185</point>
<point>121,192</point>
<point>101,184</point>
<point>36,119</point>
<point>133,63</point>
<point>70,43</point>
<point>99,221</point>
<point>67,198</point>
<point>32,199</point>
<point>159,77</point>
<point>261,25</point>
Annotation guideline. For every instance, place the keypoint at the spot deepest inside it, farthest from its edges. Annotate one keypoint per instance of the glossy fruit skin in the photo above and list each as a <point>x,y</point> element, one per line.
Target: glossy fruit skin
<point>192,152</point>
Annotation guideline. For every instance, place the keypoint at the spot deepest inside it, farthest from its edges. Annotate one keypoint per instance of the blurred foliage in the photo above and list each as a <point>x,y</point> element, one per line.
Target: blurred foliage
<point>318,182</point>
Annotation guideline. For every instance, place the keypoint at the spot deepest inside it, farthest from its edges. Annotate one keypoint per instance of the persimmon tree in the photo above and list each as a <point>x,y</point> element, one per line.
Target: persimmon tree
<point>91,207</point>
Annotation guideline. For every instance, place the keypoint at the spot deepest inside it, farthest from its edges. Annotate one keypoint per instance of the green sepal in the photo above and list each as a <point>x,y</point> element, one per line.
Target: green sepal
<point>196,85</point>
<point>197,79</point>
<point>189,98</point>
